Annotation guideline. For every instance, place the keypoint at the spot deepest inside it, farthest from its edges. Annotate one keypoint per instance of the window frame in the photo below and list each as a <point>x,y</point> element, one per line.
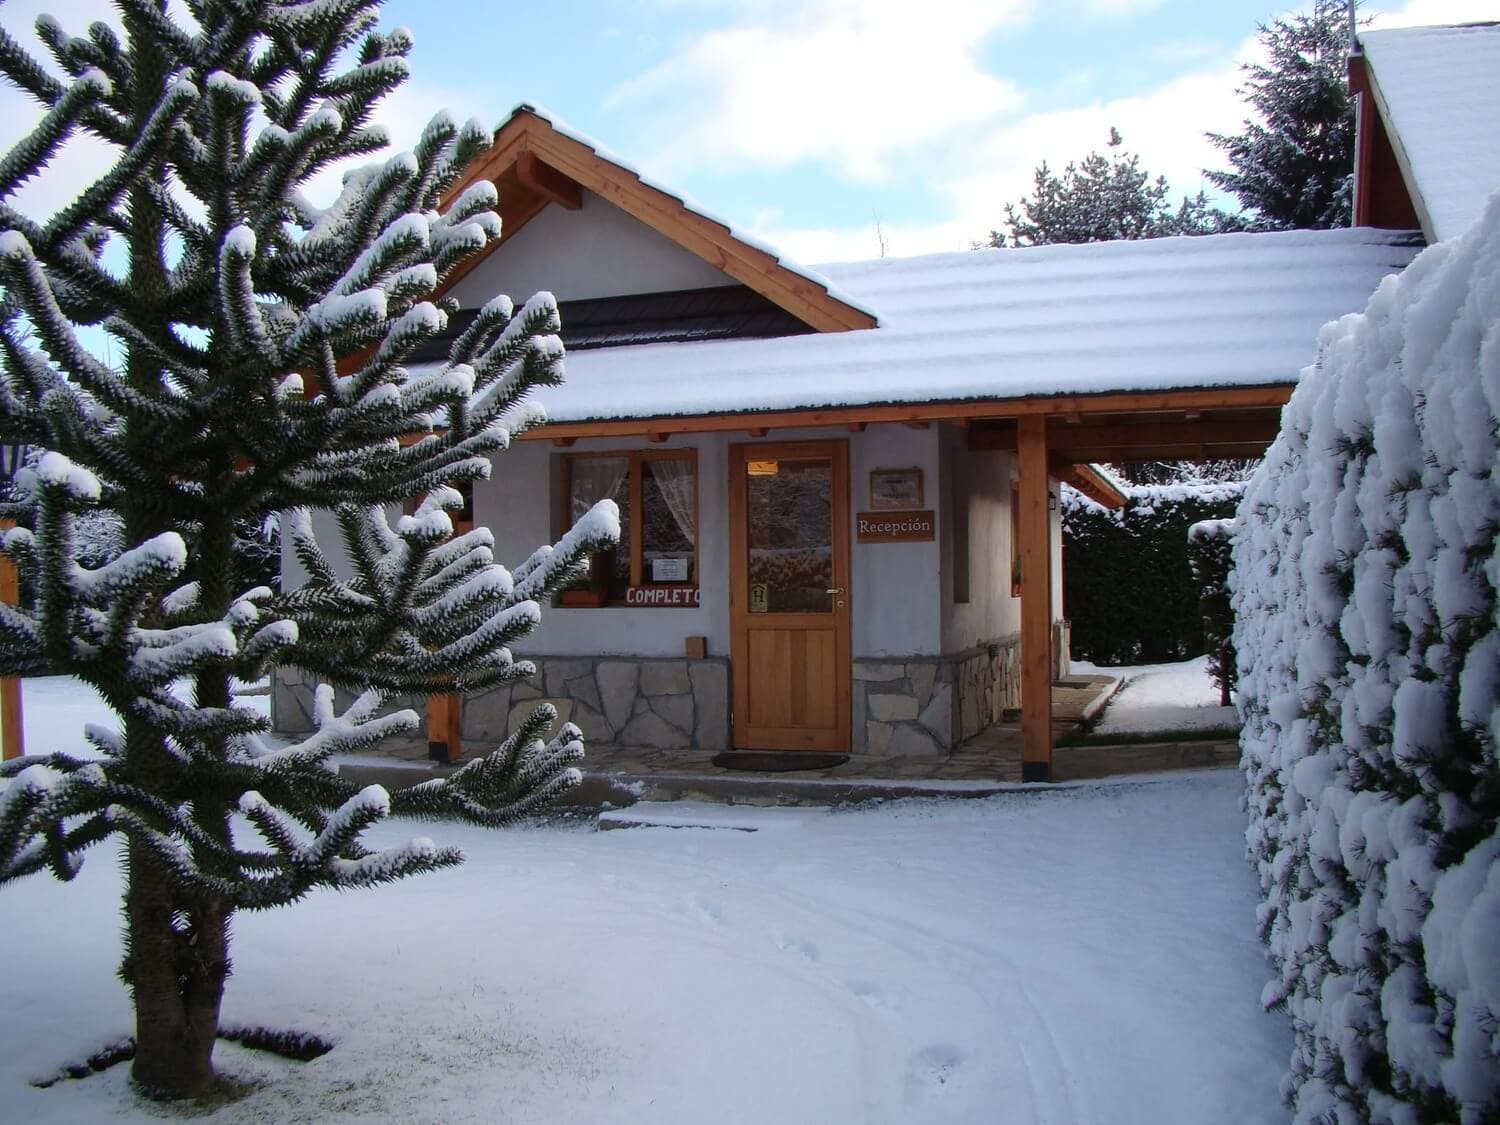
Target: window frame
<point>636,459</point>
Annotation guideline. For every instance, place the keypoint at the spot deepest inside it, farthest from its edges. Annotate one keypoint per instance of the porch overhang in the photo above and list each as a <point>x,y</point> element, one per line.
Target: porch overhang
<point>1057,437</point>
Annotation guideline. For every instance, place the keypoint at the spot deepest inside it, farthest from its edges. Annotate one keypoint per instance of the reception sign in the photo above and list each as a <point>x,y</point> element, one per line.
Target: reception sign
<point>895,527</point>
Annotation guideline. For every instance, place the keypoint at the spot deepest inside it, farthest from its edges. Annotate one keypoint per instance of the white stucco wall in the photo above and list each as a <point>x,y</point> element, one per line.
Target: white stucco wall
<point>596,251</point>
<point>983,480</point>
<point>897,588</point>
<point>902,592</point>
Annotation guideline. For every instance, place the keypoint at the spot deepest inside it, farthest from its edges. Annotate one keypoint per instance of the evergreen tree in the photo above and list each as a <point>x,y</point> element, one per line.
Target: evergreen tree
<point>1294,166</point>
<point>1103,198</point>
<point>262,340</point>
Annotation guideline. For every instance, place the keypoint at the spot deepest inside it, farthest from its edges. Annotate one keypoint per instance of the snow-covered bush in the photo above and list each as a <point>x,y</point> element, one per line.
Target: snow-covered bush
<point>1127,585</point>
<point>1365,574</point>
<point>1210,546</point>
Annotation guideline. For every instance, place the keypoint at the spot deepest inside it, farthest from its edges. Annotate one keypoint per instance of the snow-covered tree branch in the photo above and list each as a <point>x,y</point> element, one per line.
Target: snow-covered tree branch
<point>261,341</point>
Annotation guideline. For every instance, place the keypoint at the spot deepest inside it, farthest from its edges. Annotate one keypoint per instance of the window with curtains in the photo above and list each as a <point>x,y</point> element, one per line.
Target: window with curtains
<point>656,562</point>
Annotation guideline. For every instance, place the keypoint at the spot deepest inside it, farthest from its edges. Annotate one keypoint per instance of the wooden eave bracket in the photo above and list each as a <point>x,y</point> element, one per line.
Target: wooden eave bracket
<point>1088,480</point>
<point>547,182</point>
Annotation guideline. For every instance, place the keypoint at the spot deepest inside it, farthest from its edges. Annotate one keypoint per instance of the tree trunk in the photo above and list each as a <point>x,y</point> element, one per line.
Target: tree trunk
<point>176,963</point>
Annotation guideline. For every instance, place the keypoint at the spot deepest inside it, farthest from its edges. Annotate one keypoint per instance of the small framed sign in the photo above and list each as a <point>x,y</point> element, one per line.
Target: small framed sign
<point>669,570</point>
<point>895,489</point>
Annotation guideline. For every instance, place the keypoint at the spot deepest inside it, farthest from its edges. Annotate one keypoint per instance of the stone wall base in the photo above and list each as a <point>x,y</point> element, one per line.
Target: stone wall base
<point>901,705</point>
<point>930,704</point>
<point>292,703</point>
<point>615,700</point>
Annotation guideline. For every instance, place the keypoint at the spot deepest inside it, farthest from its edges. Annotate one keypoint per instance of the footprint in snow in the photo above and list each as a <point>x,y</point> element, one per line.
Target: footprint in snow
<point>934,1066</point>
<point>794,944</point>
<point>710,910</point>
<point>871,994</point>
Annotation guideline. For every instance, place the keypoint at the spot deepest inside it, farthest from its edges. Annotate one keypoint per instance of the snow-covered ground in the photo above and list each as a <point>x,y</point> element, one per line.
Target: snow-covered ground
<point>1082,955</point>
<point>55,709</point>
<point>1085,954</point>
<point>1162,697</point>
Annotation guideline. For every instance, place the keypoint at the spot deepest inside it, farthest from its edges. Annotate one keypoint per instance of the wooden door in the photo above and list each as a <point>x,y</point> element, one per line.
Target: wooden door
<point>789,595</point>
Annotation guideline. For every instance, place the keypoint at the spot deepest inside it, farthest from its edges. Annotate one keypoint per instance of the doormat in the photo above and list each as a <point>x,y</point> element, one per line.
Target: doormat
<point>779,761</point>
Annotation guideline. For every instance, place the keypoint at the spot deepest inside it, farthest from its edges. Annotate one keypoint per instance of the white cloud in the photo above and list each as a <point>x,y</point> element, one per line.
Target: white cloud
<point>993,166</point>
<point>757,92</point>
<point>1117,8</point>
<point>850,82</point>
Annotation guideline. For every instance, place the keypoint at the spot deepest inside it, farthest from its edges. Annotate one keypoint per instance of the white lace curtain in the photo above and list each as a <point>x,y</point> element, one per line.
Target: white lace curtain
<point>677,482</point>
<point>593,479</point>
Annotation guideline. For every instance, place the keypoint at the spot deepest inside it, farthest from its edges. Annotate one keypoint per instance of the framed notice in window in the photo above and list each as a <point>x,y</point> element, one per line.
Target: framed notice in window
<point>895,489</point>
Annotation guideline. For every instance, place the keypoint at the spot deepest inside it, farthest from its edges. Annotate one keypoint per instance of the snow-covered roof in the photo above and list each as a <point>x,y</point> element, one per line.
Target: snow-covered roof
<point>1163,314</point>
<point>1441,89</point>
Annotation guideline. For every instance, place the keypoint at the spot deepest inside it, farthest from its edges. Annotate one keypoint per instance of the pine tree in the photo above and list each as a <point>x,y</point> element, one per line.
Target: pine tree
<point>1103,198</point>
<point>261,341</point>
<point>1294,166</point>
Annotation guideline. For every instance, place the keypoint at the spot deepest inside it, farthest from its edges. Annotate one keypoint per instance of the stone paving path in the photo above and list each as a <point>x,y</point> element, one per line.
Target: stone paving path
<point>987,763</point>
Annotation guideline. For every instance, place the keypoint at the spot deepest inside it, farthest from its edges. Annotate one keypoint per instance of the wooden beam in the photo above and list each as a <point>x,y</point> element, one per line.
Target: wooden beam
<point>920,424</point>
<point>757,431</point>
<point>547,182</point>
<point>856,427</point>
<point>657,436</point>
<point>1221,436</point>
<point>1169,451</point>
<point>564,441</point>
<point>1222,398</point>
<point>1036,603</point>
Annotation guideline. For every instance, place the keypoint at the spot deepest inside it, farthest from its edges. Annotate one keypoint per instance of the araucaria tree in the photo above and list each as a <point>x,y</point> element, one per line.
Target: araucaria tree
<point>261,340</point>
<point>1101,199</point>
<point>1294,165</point>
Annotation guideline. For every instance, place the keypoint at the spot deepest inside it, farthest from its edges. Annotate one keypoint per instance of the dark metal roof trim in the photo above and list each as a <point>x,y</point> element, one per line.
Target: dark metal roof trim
<point>721,312</point>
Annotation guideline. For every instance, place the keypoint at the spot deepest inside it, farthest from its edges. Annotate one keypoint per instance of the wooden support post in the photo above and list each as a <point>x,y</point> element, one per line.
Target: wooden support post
<point>12,734</point>
<point>445,713</point>
<point>1036,602</point>
<point>445,742</point>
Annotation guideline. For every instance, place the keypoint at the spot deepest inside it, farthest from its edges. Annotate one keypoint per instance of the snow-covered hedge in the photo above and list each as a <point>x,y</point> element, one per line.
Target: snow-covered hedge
<point>1127,585</point>
<point>1210,548</point>
<point>1366,570</point>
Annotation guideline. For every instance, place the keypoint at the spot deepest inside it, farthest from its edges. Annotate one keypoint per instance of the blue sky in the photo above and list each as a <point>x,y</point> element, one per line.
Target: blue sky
<point>807,122</point>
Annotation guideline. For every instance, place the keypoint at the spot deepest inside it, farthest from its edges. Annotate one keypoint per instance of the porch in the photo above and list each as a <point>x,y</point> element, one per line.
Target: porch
<point>988,763</point>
